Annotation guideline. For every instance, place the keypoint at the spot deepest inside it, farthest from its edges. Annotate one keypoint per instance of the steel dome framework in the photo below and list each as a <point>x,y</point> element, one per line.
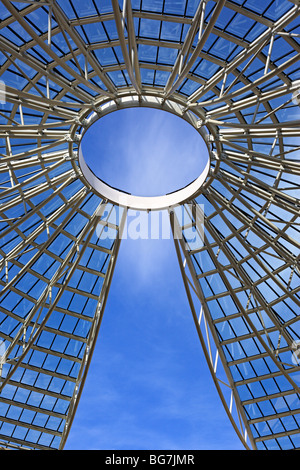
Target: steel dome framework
<point>233,66</point>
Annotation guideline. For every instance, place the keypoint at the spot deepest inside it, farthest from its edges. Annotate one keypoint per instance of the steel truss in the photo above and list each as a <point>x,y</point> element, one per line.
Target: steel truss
<point>236,70</point>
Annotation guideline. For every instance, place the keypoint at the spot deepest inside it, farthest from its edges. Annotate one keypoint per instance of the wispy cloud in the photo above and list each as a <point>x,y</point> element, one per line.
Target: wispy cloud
<point>147,152</point>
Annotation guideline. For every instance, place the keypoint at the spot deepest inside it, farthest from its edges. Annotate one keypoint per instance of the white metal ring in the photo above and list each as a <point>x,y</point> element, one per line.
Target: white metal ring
<point>131,201</point>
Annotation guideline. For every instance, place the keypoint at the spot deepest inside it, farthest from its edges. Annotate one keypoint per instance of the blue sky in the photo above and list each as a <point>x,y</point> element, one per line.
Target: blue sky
<point>147,152</point>
<point>148,385</point>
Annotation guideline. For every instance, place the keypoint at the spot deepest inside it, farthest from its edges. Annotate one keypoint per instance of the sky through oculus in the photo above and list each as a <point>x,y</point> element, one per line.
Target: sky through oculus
<point>143,151</point>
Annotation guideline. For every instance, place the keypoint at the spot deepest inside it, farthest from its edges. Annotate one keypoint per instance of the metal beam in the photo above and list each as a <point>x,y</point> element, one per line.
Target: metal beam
<point>94,332</point>
<point>256,45</point>
<point>172,85</point>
